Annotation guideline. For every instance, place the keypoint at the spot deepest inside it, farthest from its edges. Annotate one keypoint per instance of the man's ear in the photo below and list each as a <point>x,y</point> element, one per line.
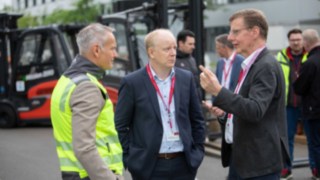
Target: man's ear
<point>95,49</point>
<point>151,52</point>
<point>256,31</point>
<point>180,43</point>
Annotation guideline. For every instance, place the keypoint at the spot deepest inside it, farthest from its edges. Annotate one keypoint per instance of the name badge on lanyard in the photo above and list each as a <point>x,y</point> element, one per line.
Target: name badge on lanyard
<point>174,135</point>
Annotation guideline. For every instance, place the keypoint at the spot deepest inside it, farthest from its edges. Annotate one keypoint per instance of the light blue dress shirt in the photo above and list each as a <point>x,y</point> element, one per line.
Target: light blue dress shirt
<point>167,146</point>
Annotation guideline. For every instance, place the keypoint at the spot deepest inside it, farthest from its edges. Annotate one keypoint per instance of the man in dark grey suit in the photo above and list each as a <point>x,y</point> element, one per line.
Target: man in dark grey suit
<point>256,123</point>
<point>158,116</point>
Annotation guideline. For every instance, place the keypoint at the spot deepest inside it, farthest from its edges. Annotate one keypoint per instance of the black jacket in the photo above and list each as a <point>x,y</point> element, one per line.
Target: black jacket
<point>187,62</point>
<point>308,85</point>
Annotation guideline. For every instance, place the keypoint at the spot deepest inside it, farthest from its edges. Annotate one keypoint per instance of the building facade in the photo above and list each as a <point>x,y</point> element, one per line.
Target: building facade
<point>282,15</point>
<point>45,7</point>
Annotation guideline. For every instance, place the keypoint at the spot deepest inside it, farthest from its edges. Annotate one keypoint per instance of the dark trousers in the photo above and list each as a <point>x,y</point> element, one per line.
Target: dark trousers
<point>72,176</point>
<point>172,169</point>
<point>315,140</point>
<point>233,175</point>
<point>293,117</point>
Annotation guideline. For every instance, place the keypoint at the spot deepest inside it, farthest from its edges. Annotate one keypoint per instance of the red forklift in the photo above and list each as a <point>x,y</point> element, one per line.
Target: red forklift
<point>31,62</point>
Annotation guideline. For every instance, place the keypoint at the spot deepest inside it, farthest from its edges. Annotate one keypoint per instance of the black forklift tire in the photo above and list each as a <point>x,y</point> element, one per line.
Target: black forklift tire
<point>7,116</point>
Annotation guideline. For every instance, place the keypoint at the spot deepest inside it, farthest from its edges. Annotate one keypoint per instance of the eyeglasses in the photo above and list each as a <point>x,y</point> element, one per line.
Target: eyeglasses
<point>295,40</point>
<point>236,32</point>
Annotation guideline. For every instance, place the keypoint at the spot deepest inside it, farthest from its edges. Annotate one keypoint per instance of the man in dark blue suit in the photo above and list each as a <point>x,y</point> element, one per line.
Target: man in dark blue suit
<point>158,116</point>
<point>227,72</point>
<point>229,66</point>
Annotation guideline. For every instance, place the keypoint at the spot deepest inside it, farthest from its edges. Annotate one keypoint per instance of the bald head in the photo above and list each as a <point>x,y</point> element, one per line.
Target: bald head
<point>154,36</point>
<point>310,39</point>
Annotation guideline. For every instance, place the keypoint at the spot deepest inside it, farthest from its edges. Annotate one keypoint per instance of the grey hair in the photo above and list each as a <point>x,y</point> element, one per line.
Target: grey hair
<point>91,34</point>
<point>310,36</point>
<point>223,39</point>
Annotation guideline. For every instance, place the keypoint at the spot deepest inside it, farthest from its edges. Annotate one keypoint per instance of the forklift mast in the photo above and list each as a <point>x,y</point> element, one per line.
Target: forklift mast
<point>193,17</point>
<point>8,25</point>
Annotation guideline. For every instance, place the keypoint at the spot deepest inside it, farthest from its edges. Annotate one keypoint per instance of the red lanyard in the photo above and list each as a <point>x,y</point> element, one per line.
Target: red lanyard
<point>296,66</point>
<point>226,72</point>
<point>243,74</point>
<point>167,106</point>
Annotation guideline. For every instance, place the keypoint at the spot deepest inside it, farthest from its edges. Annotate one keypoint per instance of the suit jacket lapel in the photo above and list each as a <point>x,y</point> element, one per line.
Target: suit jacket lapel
<point>152,93</point>
<point>262,53</point>
<point>233,75</point>
<point>220,68</point>
<point>177,91</point>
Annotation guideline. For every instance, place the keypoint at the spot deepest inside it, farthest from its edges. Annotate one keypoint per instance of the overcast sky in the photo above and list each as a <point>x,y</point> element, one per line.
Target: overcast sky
<point>5,2</point>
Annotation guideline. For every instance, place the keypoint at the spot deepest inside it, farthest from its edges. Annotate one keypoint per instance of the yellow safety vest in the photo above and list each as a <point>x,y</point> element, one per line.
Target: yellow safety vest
<point>284,61</point>
<point>107,140</point>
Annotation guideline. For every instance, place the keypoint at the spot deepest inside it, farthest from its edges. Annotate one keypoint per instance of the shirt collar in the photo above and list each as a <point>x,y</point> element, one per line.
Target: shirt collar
<point>231,57</point>
<point>157,78</point>
<point>246,63</point>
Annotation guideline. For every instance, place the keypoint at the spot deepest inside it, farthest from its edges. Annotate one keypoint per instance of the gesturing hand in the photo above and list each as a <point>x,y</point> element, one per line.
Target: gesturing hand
<point>209,81</point>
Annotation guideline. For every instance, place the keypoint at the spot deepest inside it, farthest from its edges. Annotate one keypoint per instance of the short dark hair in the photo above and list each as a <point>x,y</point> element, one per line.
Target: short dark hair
<point>253,17</point>
<point>223,39</point>
<point>182,36</point>
<point>294,31</point>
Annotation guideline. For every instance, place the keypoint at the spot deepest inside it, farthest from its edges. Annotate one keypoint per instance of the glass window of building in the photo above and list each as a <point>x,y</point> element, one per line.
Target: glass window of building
<point>18,4</point>
<point>239,1</point>
<point>220,1</point>
<point>26,3</point>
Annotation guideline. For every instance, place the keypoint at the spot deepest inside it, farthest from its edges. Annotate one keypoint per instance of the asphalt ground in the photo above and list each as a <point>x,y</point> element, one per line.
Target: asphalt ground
<point>28,153</point>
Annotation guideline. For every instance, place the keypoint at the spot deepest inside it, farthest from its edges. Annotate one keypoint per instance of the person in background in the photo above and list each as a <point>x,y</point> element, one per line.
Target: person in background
<point>227,72</point>
<point>186,44</point>
<point>82,113</point>
<point>255,123</point>
<point>229,66</point>
<point>159,117</point>
<point>291,59</point>
<point>307,85</point>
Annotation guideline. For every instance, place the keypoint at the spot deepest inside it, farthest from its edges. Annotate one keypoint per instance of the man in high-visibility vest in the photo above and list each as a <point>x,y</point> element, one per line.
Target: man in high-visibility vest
<point>291,59</point>
<point>87,142</point>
